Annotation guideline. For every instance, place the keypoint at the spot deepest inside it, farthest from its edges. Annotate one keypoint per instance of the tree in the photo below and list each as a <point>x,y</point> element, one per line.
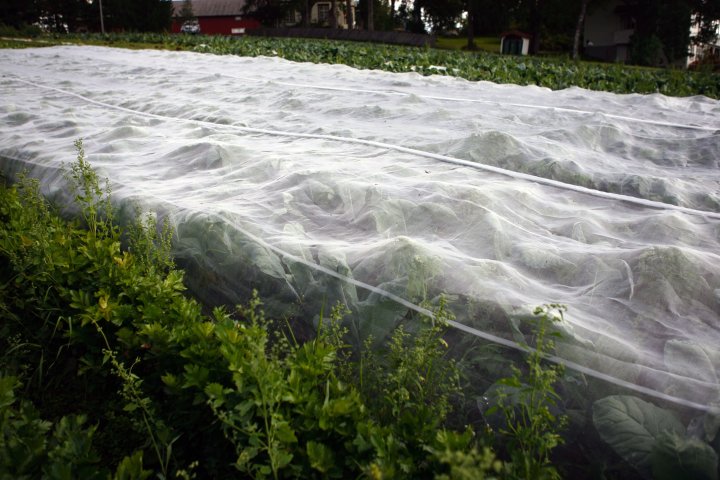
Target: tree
<point>370,15</point>
<point>706,13</point>
<point>18,13</point>
<point>492,17</point>
<point>349,17</point>
<point>471,8</point>
<point>138,15</point>
<point>373,14</point>
<point>268,12</point>
<point>662,28</point>
<point>578,29</point>
<point>306,13</point>
<point>186,12</point>
<point>442,15</point>
<point>333,14</point>
<point>536,24</point>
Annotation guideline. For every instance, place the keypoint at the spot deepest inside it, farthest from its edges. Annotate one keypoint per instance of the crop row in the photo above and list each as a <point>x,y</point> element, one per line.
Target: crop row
<point>553,73</point>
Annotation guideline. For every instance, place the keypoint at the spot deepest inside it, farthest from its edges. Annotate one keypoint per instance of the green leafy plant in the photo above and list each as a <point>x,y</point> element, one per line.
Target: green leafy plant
<point>652,439</point>
<point>527,398</point>
<point>31,447</point>
<point>555,73</point>
<point>90,195</point>
<point>287,410</point>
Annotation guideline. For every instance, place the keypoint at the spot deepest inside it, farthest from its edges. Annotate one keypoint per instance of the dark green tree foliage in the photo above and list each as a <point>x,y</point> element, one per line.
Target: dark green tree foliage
<point>662,30</point>
<point>270,12</point>
<point>380,15</point>
<point>73,15</point>
<point>16,13</point>
<point>186,12</point>
<point>707,12</point>
<point>674,29</point>
<point>410,18</point>
<point>492,17</point>
<point>443,15</point>
<point>661,26</point>
<point>137,15</point>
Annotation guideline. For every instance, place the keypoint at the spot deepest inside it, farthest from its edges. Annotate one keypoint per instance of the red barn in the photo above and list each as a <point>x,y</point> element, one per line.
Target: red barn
<point>216,17</point>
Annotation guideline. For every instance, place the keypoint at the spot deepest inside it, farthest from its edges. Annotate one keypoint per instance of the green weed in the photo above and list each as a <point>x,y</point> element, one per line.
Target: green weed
<point>527,398</point>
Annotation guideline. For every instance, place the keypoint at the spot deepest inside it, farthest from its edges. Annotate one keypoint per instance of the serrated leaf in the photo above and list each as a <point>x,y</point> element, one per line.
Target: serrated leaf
<point>285,433</point>
<point>215,392</point>
<point>170,380</point>
<point>320,456</point>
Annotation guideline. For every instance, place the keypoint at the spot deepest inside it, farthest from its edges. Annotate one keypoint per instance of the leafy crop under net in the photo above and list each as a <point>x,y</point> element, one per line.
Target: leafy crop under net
<point>316,184</point>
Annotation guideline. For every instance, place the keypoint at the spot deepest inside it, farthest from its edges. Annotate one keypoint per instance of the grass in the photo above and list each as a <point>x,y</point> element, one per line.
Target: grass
<point>487,44</point>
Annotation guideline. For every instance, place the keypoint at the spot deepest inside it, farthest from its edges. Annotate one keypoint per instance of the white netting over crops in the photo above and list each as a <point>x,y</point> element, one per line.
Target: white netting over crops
<point>318,183</point>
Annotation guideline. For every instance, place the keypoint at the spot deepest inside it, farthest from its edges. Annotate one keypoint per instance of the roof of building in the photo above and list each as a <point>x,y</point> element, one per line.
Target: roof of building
<point>212,8</point>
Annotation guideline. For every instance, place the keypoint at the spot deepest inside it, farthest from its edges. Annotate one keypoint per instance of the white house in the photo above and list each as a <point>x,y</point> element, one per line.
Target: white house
<point>608,30</point>
<point>698,51</point>
<point>320,15</point>
<point>607,33</point>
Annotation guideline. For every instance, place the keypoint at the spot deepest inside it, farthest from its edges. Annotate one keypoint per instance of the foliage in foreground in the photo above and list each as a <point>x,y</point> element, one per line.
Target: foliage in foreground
<point>109,370</point>
<point>553,73</point>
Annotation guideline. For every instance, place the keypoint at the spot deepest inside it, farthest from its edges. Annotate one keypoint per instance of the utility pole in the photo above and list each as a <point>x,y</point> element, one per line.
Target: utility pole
<point>102,21</point>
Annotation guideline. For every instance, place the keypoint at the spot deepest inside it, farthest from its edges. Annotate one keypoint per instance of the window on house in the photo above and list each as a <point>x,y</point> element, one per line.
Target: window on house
<point>323,12</point>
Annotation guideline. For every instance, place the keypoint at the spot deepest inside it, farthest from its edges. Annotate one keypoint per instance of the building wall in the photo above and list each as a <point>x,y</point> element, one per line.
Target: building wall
<point>607,34</point>
<point>698,51</point>
<point>316,9</point>
<point>601,25</point>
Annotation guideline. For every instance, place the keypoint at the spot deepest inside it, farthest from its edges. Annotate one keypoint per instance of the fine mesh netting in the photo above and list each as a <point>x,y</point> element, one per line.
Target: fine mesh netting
<point>317,184</point>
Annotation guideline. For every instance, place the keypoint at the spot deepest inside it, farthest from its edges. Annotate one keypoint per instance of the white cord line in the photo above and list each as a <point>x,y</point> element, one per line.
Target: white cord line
<point>472,100</point>
<point>477,100</point>
<point>473,331</point>
<point>387,146</point>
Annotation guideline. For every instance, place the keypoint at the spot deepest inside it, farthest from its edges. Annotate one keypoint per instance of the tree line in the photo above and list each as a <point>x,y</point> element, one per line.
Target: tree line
<point>84,15</point>
<point>662,27</point>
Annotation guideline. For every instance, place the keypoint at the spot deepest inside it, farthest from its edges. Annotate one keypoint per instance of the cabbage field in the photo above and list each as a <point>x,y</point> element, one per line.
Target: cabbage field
<point>322,183</point>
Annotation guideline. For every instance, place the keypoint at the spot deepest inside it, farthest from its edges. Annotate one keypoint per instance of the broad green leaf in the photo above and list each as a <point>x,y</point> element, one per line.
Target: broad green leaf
<point>689,360</point>
<point>674,457</point>
<point>632,426</point>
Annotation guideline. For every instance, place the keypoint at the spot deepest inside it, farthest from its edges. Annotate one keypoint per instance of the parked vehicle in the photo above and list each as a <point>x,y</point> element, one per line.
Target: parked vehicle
<point>191,27</point>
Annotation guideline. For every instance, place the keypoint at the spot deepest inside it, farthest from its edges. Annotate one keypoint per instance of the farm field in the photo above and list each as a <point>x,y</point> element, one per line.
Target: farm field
<point>318,183</point>
<point>550,72</point>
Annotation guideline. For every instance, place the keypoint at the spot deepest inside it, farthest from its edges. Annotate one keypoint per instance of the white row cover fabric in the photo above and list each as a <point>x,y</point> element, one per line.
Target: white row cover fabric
<point>319,183</point>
